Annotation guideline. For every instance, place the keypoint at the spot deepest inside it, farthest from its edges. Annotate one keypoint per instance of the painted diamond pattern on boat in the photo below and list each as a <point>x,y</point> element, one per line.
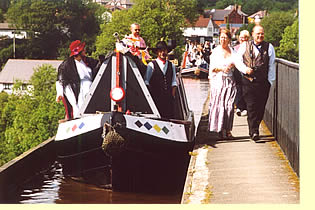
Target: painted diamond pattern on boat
<point>68,129</point>
<point>81,125</point>
<point>138,123</point>
<point>157,128</point>
<point>74,127</point>
<point>165,130</point>
<point>147,125</point>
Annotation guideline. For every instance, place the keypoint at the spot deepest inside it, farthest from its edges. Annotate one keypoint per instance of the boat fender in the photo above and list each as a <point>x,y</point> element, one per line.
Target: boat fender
<point>113,143</point>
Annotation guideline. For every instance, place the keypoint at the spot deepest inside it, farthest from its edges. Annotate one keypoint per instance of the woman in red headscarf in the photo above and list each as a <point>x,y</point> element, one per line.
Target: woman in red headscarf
<point>75,76</point>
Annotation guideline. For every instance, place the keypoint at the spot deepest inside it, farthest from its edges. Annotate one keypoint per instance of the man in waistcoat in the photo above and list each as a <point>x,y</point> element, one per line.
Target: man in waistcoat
<point>259,57</point>
<point>161,80</point>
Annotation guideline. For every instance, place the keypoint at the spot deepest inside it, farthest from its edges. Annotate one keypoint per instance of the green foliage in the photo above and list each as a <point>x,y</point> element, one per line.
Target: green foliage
<point>6,50</point>
<point>221,4</point>
<point>53,24</point>
<point>5,54</point>
<point>289,45</point>
<point>249,27</point>
<point>6,119</point>
<point>159,19</point>
<point>1,16</point>
<point>30,118</point>
<point>274,26</point>
<point>252,6</point>
<point>228,23</point>
<point>38,18</point>
<point>3,101</point>
<point>4,5</point>
<point>120,23</point>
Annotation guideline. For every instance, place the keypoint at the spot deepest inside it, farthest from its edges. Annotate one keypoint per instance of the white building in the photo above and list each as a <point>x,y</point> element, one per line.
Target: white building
<point>22,70</point>
<point>204,29</point>
<point>10,32</point>
<point>118,4</point>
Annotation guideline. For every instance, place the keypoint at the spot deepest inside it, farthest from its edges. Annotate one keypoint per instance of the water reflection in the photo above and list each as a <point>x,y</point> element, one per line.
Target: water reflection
<point>44,187</point>
<point>52,186</point>
<point>197,93</point>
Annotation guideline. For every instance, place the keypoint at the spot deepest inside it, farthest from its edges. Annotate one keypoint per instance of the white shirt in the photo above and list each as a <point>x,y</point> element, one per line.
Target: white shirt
<point>85,74</point>
<point>163,67</point>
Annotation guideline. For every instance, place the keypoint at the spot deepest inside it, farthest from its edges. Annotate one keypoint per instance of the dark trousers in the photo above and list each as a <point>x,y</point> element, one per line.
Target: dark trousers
<point>239,100</point>
<point>255,96</point>
<point>165,105</point>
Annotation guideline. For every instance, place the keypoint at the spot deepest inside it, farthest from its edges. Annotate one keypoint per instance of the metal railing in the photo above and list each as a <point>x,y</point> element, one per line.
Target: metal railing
<point>282,110</point>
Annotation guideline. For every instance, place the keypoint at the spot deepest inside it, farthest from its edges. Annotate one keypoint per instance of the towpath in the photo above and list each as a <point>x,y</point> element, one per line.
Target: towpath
<point>238,171</point>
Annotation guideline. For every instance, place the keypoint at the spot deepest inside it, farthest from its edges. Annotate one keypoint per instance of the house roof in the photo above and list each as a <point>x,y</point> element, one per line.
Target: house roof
<point>23,69</point>
<point>238,9</point>
<point>232,25</point>
<point>111,7</point>
<point>215,25</point>
<point>201,22</point>
<point>120,3</point>
<point>260,14</point>
<point>127,2</point>
<point>219,14</point>
<point>6,26</point>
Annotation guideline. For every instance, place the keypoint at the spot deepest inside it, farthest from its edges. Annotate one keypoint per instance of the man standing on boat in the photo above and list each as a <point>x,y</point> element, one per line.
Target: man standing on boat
<point>161,79</point>
<point>75,76</point>
<point>136,43</point>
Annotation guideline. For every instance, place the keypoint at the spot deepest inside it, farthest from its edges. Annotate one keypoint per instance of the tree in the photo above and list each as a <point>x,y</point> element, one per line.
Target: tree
<point>54,24</point>
<point>251,6</point>
<point>249,27</point>
<point>227,23</point>
<point>33,117</point>
<point>274,26</point>
<point>6,119</point>
<point>225,3</point>
<point>289,44</point>
<point>3,100</point>
<point>159,19</point>
<point>38,18</point>
<point>1,16</point>
<point>4,5</point>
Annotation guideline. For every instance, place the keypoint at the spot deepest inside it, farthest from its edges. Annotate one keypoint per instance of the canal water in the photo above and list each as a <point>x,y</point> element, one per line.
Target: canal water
<point>52,186</point>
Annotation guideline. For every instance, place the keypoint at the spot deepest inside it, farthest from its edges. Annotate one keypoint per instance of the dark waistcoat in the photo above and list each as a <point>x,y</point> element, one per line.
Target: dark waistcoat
<point>260,63</point>
<point>161,90</point>
<point>161,84</point>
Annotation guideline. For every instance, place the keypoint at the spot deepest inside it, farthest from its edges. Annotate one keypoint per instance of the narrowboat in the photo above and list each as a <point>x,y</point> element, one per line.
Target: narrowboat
<point>120,133</point>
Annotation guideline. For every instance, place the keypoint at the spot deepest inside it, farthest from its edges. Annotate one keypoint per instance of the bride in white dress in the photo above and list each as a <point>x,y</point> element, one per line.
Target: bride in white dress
<point>222,86</point>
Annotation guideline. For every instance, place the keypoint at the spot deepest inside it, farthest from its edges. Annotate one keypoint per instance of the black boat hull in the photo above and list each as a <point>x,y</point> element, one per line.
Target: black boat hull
<point>150,164</point>
<point>146,164</point>
<point>82,154</point>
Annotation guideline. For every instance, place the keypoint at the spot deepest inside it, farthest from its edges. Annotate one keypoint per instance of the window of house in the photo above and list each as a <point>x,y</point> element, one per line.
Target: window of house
<point>7,86</point>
